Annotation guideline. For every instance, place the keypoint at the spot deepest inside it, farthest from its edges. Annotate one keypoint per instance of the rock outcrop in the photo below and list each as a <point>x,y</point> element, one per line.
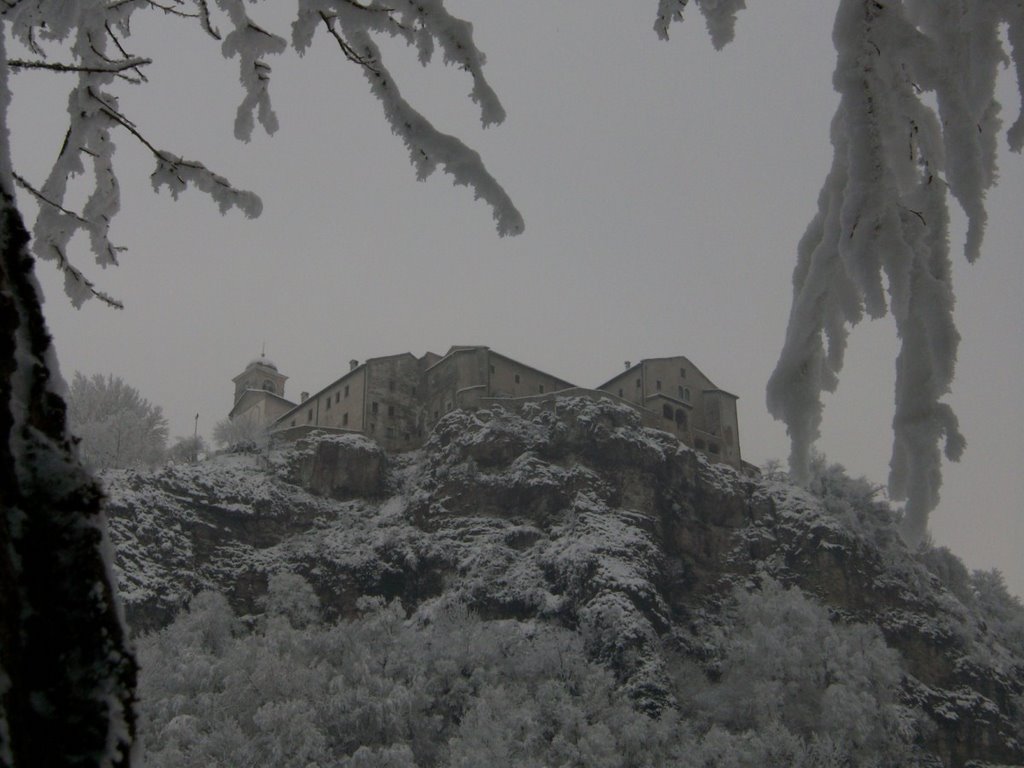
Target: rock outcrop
<point>571,513</point>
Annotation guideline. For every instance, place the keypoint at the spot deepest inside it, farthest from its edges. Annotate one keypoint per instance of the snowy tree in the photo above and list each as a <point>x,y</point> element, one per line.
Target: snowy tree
<point>116,426</point>
<point>788,665</point>
<point>240,435</point>
<point>187,450</point>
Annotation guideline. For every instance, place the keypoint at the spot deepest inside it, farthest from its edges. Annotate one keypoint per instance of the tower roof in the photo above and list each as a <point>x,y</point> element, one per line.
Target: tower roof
<point>264,361</point>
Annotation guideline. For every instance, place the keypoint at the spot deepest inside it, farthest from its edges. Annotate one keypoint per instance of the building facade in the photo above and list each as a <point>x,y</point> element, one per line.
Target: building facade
<point>397,399</point>
<point>690,406</point>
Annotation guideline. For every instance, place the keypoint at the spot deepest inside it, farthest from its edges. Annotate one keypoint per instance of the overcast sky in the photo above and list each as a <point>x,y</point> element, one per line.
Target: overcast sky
<point>664,187</point>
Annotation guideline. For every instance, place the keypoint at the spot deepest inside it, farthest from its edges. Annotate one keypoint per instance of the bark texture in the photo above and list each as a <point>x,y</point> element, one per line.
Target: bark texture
<point>67,678</point>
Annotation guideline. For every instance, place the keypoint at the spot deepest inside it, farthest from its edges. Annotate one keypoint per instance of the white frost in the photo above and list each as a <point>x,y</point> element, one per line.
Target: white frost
<point>882,222</point>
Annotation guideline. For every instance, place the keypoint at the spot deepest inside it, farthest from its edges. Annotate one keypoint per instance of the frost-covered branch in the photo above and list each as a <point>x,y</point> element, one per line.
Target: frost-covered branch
<point>250,43</point>
<point>421,24</point>
<point>719,15</point>
<point>879,241</point>
<point>91,26</point>
<point>115,67</point>
<point>93,112</point>
<point>20,180</point>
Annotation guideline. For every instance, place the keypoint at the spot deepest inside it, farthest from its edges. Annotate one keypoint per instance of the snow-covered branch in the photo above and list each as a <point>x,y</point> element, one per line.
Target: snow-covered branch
<point>719,16</point>
<point>420,24</point>
<point>115,67</point>
<point>879,241</point>
<point>428,147</point>
<point>85,29</point>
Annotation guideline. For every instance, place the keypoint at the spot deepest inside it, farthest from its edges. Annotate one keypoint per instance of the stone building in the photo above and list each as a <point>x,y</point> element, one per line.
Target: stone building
<point>689,404</point>
<point>397,399</point>
<point>259,394</point>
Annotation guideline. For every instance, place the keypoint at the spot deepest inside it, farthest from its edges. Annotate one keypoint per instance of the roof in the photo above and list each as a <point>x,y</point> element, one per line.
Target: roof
<point>458,348</point>
<point>531,368</point>
<point>262,360</point>
<point>689,364</point>
<point>246,396</point>
<point>264,363</point>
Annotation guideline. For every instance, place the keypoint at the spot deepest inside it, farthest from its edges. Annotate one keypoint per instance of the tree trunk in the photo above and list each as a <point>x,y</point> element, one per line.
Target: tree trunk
<point>67,678</point>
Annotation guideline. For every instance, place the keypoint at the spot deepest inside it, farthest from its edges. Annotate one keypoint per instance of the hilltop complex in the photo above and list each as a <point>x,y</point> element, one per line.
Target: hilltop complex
<point>397,399</point>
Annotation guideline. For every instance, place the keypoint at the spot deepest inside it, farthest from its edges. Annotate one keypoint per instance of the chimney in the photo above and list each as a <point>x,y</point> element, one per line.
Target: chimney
<point>303,397</point>
<point>353,364</point>
<point>628,365</point>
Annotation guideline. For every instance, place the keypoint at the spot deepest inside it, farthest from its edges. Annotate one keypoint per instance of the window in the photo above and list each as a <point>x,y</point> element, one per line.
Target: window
<point>620,392</point>
<point>328,406</point>
<point>406,437</point>
<point>540,388</point>
<point>436,415</point>
<point>657,385</point>
<point>713,448</point>
<point>681,420</point>
<point>492,369</point>
<point>390,431</point>
<point>686,394</point>
<point>727,432</point>
<point>638,383</point>
<point>681,391</point>
<point>391,385</point>
<point>682,373</point>
<point>666,411</point>
<point>293,422</point>
<point>337,397</point>
<point>517,378</point>
<point>374,407</point>
<point>346,390</point>
<point>373,428</point>
<point>344,419</point>
<point>268,385</point>
<point>414,390</point>
<point>310,415</point>
<point>391,410</point>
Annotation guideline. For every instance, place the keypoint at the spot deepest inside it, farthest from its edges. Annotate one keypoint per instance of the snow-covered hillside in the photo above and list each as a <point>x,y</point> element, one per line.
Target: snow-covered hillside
<point>729,604</point>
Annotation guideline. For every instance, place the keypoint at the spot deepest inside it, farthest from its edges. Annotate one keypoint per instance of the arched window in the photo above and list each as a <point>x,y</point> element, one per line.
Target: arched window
<point>686,394</point>
<point>666,411</point>
<point>268,385</point>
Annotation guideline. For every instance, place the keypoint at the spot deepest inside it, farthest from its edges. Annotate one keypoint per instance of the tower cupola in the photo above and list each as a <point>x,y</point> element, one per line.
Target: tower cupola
<point>260,374</point>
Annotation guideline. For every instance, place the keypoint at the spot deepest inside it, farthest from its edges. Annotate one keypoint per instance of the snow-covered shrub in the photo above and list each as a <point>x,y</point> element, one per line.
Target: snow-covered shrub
<point>442,688</point>
<point>787,667</point>
<point>1002,612</point>
<point>240,435</point>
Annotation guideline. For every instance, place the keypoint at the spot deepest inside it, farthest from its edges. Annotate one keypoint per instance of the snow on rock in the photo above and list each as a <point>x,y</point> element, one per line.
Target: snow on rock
<point>575,515</point>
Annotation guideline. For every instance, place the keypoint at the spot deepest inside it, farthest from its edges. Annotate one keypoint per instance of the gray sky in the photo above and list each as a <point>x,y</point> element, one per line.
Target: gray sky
<point>664,187</point>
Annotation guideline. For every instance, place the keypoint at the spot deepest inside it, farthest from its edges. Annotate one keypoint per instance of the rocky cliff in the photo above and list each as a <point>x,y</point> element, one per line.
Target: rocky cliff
<point>572,513</point>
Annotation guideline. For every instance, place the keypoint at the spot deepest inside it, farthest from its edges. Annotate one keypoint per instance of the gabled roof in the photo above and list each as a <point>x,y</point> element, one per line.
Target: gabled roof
<point>689,364</point>
<point>456,349</point>
<point>569,384</point>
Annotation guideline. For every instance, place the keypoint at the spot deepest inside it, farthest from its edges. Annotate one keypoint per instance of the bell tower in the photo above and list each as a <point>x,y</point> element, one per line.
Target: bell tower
<point>260,374</point>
